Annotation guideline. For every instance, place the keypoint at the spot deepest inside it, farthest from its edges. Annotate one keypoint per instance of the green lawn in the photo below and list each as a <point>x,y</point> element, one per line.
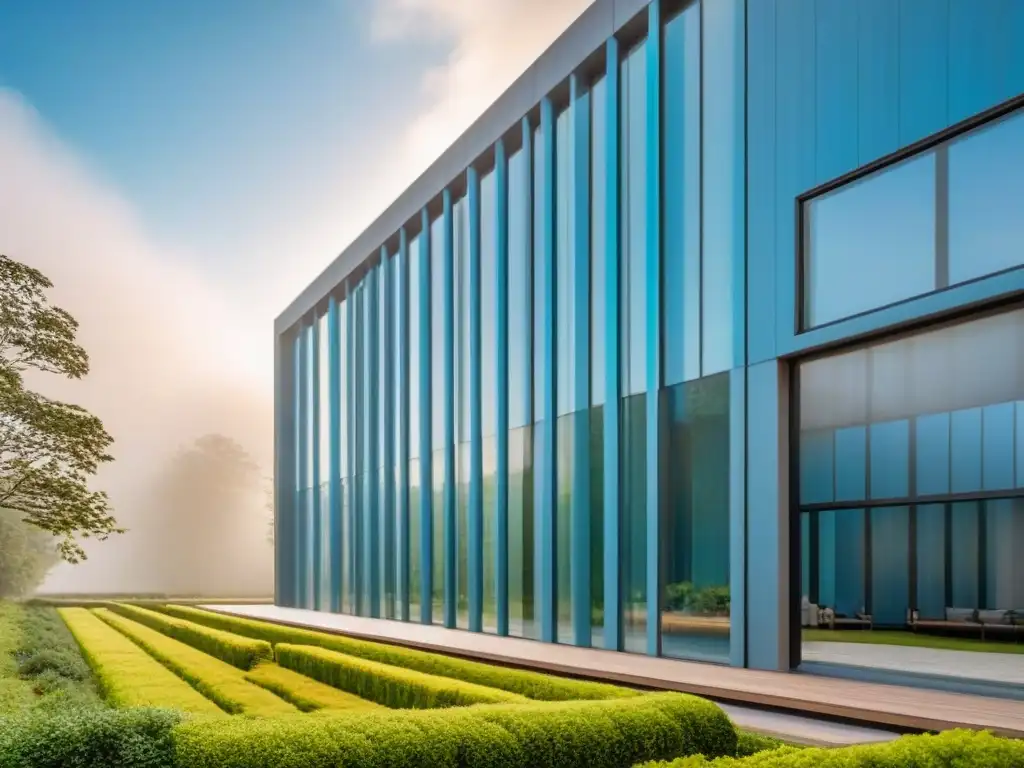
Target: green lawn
<point>910,639</point>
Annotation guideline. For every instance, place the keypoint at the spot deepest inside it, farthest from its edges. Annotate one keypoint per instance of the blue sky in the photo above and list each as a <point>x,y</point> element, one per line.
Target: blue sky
<point>181,169</point>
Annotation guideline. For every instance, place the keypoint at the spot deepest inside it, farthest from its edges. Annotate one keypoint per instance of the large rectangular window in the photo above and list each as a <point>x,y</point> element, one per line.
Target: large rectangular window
<point>488,395</point>
<point>463,365</point>
<point>438,395</point>
<point>937,219</point>
<point>415,372</point>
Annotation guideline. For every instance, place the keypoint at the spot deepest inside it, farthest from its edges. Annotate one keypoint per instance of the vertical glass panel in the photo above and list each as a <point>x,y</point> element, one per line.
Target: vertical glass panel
<point>634,524</point>
<point>1004,539</point>
<point>521,534</point>
<point>415,539</point>
<point>437,550</point>
<point>324,404</point>
<point>539,368</point>
<point>597,525</point>
<point>437,294</point>
<point>931,561</point>
<point>565,271</point>
<point>598,250</point>
<point>462,536</point>
<point>460,215</point>
<point>681,197</point>
<point>883,224</point>
<point>488,306</point>
<point>520,315</point>
<point>490,536</point>
<point>964,534</point>
<point>724,141</point>
<point>890,566</point>
<point>416,366</point>
<point>634,219</point>
<point>985,189</point>
<point>563,526</point>
<point>695,520</point>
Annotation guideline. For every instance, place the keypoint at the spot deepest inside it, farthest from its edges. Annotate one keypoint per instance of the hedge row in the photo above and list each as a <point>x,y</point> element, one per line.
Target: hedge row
<point>392,687</point>
<point>950,749</point>
<point>127,675</point>
<point>304,692</point>
<point>238,651</point>
<point>215,679</point>
<point>533,685</point>
<point>15,693</point>
<point>581,734</point>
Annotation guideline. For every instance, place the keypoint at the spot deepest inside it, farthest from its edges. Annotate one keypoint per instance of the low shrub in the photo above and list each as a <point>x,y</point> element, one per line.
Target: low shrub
<point>533,685</point>
<point>748,743</point>
<point>392,687</point>
<point>236,650</point>
<point>50,659</point>
<point>15,693</point>
<point>215,679</point>
<point>89,738</point>
<point>127,675</point>
<point>950,749</point>
<point>304,692</point>
<point>582,734</point>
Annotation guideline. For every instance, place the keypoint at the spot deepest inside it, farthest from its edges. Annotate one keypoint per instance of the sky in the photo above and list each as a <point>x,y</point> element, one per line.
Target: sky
<point>181,170</point>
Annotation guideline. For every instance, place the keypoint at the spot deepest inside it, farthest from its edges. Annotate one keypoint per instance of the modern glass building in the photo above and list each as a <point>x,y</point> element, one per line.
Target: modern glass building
<point>709,329</point>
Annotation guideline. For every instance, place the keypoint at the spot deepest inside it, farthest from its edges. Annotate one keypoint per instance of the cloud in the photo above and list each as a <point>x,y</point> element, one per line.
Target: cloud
<point>492,43</point>
<point>172,357</point>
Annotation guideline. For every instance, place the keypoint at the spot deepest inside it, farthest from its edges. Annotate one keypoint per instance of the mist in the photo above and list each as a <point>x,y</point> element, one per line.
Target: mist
<point>172,359</point>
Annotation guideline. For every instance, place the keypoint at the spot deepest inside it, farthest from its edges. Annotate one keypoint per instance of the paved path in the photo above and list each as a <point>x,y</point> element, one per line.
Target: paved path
<point>868,704</point>
<point>1005,668</point>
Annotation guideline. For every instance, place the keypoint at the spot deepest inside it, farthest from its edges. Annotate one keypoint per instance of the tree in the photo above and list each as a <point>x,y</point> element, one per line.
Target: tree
<point>26,554</point>
<point>207,522</point>
<point>48,449</point>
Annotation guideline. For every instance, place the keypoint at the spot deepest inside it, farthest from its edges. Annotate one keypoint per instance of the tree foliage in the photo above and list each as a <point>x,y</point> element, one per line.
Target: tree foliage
<point>48,449</point>
<point>26,554</point>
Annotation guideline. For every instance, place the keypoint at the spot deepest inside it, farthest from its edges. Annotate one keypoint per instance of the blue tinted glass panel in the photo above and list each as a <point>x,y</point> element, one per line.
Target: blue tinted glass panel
<point>520,317</point>
<point>931,561</point>
<point>682,197</point>
<point>564,264</point>
<point>633,563</point>
<point>460,216</point>
<point>539,369</point>
<point>488,316</point>
<point>437,293</point>
<point>890,572</point>
<point>890,460</point>
<point>986,187</point>
<point>881,225</point>
<point>851,463</point>
<point>964,550</point>
<point>634,220</point>
<point>933,454</point>
<point>598,200</point>
<point>965,456</point>
<point>413,343</point>
<point>997,446</point>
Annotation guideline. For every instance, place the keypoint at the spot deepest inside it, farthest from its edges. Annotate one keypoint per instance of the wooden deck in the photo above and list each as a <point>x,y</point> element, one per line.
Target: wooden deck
<point>866,703</point>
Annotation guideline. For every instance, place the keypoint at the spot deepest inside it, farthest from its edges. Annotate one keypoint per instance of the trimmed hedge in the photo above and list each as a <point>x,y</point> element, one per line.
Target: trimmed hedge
<point>212,677</point>
<point>392,687</point>
<point>304,692</point>
<point>238,651</point>
<point>533,685</point>
<point>90,738</point>
<point>15,693</point>
<point>748,743</point>
<point>51,660</point>
<point>950,749</point>
<point>582,734</point>
<point>126,674</point>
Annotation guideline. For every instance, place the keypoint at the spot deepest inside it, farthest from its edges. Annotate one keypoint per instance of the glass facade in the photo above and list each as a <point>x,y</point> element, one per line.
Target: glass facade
<point>558,402</point>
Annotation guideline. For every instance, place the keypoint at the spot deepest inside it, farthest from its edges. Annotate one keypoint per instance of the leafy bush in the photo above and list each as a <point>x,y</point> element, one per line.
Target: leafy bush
<point>581,734</point>
<point>950,749</point>
<point>89,738</point>
<point>709,601</point>
<point>393,687</point>
<point>15,693</point>
<point>241,652</point>
<point>128,676</point>
<point>748,743</point>
<point>50,658</point>
<point>218,681</point>
<point>533,685</point>
<point>304,692</point>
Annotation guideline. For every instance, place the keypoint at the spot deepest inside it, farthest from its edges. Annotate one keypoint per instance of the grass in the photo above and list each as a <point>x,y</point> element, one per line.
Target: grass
<point>215,679</point>
<point>128,675</point>
<point>909,640</point>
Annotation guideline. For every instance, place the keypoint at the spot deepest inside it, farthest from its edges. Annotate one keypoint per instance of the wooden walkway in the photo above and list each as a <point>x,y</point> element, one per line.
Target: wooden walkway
<point>864,703</point>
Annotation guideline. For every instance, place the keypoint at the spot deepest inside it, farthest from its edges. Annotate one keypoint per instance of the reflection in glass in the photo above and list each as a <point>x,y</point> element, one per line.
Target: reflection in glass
<point>521,534</point>
<point>986,187</point>
<point>565,266</point>
<point>695,521</point>
<point>563,527</point>
<point>415,566</point>
<point>634,524</point>
<point>520,312</point>
<point>437,553</point>
<point>598,255</point>
<point>490,535</point>
<point>597,526</point>
<point>881,225</point>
